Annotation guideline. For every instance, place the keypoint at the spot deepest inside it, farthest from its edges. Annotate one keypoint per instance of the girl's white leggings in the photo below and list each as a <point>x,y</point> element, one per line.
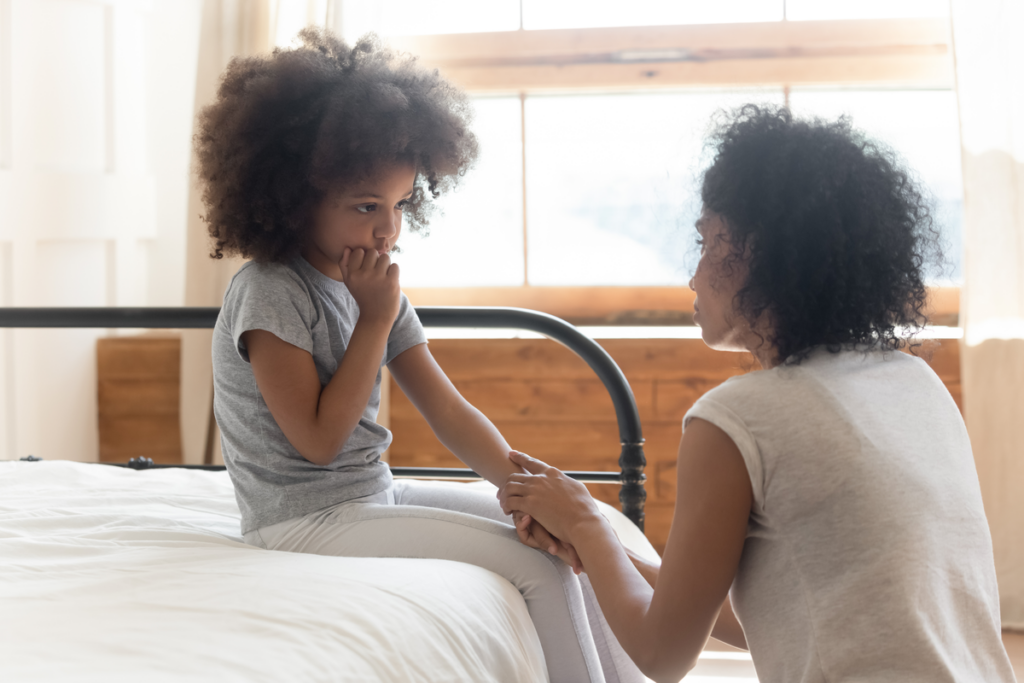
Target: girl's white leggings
<point>449,521</point>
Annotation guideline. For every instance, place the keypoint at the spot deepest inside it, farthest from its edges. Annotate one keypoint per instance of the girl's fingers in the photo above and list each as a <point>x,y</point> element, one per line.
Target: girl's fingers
<point>524,535</point>
<point>575,561</point>
<point>522,522</point>
<point>363,259</point>
<point>543,538</point>
<point>369,259</point>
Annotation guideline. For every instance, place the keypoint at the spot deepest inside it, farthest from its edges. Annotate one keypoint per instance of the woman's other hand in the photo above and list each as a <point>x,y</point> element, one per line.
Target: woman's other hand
<point>531,533</point>
<point>549,497</point>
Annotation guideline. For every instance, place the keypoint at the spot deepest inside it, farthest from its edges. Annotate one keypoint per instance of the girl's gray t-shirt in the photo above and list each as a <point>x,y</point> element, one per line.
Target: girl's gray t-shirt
<point>302,306</point>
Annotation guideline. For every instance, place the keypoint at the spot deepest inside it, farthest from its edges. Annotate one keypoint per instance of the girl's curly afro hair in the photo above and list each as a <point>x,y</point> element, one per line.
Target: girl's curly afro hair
<point>289,127</point>
<point>838,231</point>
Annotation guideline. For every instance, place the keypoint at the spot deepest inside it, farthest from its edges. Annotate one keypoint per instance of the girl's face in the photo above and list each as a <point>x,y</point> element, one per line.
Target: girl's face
<point>365,216</point>
<point>721,273</point>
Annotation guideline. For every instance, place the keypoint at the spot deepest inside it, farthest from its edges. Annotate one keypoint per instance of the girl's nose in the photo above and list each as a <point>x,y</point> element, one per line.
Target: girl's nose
<point>691,285</point>
<point>387,225</point>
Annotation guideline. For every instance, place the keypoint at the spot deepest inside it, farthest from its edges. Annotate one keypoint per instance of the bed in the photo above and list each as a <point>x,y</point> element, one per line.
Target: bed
<point>139,573</point>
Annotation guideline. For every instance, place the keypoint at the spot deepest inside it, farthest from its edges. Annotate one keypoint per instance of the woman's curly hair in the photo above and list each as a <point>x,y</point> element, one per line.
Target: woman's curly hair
<point>291,126</point>
<point>838,231</point>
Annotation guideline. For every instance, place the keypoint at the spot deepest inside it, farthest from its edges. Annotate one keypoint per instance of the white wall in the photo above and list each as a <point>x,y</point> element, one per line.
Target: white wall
<point>96,103</point>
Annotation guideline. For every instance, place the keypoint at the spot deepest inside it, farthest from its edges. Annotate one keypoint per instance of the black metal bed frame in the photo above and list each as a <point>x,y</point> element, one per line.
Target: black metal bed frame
<point>631,459</point>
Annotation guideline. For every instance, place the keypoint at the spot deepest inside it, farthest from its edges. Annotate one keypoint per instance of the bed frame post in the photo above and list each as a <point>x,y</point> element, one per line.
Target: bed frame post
<point>633,495</point>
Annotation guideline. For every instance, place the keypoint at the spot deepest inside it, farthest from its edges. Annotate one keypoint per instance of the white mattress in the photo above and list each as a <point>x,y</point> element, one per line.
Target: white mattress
<point>107,574</point>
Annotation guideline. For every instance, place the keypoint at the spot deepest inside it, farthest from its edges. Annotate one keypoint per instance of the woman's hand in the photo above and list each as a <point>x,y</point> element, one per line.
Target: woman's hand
<point>559,503</point>
<point>532,534</point>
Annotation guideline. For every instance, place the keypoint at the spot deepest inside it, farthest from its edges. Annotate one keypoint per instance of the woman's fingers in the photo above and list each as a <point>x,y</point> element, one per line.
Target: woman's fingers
<point>518,478</point>
<point>500,493</point>
<point>532,534</point>
<point>531,465</point>
<point>510,490</point>
<point>536,536</point>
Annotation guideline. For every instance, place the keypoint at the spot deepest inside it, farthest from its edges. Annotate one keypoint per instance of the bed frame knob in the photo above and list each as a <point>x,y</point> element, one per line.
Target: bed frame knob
<point>140,463</point>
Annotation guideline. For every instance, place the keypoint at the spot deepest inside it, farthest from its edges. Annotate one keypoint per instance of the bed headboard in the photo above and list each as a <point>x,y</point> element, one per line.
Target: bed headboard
<point>631,460</point>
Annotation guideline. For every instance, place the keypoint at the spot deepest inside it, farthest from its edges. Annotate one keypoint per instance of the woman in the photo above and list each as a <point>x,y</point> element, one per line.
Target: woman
<point>832,494</point>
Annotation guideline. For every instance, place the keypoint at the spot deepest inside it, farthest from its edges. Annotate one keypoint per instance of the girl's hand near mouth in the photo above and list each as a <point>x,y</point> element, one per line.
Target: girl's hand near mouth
<point>373,281</point>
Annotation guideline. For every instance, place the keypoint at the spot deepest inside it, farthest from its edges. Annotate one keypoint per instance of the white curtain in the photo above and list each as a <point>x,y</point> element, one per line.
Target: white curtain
<point>229,28</point>
<point>989,54</point>
<point>95,117</point>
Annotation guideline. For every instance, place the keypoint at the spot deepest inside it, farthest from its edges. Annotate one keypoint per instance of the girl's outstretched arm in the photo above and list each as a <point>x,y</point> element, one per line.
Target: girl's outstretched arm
<point>467,433</point>
<point>662,628</point>
<point>318,420</point>
<point>463,429</point>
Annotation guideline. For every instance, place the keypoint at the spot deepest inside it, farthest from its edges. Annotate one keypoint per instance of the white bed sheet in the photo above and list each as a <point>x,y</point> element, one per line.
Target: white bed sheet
<point>108,574</point>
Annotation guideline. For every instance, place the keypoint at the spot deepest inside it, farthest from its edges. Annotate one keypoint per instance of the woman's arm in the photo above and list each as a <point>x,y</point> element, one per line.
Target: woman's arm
<point>727,627</point>
<point>664,628</point>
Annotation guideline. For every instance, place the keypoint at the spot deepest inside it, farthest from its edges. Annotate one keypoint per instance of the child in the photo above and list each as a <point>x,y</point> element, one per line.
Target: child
<point>310,159</point>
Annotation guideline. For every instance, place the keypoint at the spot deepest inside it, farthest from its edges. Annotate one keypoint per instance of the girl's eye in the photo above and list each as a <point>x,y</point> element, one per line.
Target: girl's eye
<point>366,208</point>
<point>700,243</point>
<point>402,204</point>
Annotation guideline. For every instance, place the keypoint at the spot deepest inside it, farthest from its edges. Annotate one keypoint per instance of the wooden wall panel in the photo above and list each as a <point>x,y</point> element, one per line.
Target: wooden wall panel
<point>535,399</point>
<point>548,403</point>
<point>138,388</point>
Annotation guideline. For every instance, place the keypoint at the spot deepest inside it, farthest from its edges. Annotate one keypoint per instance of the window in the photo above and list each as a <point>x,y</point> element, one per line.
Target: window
<point>548,14</point>
<point>476,235</point>
<point>611,184</point>
<point>923,128</point>
<point>591,127</point>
